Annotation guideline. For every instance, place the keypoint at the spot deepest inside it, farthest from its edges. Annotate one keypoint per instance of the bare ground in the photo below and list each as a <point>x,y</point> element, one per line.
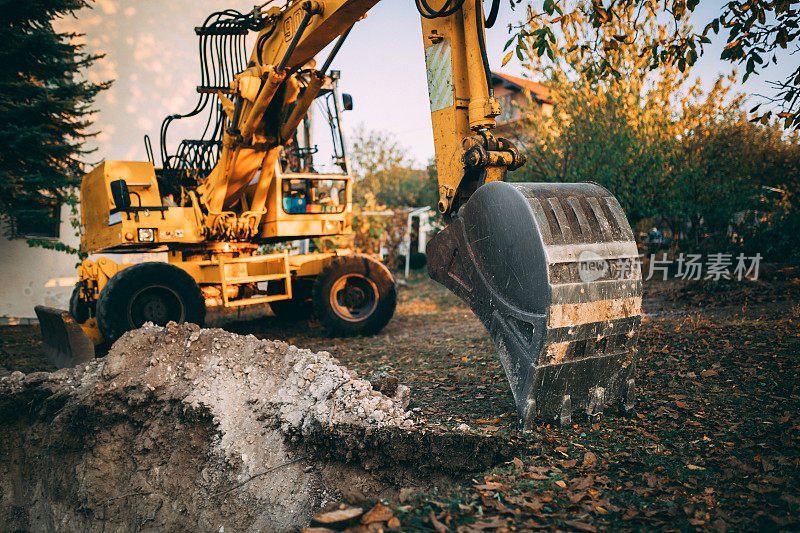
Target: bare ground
<point>713,446</point>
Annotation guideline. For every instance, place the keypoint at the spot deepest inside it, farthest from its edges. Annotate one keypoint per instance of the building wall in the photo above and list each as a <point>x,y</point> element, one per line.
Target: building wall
<point>33,276</point>
<point>513,103</point>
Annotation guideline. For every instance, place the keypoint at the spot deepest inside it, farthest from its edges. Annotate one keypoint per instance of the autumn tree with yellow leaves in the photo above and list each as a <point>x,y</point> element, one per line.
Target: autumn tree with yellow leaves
<point>677,150</point>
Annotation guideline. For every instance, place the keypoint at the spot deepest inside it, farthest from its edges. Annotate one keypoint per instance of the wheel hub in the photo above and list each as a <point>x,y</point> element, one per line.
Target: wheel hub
<point>354,297</point>
<point>157,304</point>
<point>154,310</point>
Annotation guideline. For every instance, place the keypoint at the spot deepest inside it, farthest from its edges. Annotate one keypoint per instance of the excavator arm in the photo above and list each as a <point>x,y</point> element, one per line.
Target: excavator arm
<point>550,269</point>
<point>463,107</point>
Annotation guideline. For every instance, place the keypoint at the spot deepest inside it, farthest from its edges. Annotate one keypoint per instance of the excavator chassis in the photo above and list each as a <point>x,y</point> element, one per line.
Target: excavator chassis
<point>552,272</point>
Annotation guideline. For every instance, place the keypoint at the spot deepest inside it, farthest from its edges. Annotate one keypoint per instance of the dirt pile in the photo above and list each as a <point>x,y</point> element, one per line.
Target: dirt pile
<point>180,428</point>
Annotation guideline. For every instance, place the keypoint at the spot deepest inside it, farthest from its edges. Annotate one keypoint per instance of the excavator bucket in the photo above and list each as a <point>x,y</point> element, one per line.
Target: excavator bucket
<point>64,342</point>
<point>552,271</point>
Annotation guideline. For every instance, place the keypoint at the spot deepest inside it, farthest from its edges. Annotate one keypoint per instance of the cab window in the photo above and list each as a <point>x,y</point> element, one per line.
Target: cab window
<point>303,195</point>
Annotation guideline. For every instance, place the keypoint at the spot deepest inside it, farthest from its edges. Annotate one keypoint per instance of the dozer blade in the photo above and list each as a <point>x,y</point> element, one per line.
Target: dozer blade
<point>552,271</point>
<point>64,342</point>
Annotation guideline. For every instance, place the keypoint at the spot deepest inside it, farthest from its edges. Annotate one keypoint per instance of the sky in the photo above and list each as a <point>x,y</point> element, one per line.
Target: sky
<point>151,53</point>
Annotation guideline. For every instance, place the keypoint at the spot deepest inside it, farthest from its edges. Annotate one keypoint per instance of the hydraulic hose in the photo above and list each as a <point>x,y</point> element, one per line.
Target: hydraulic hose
<point>482,43</point>
<point>492,18</point>
<point>450,7</point>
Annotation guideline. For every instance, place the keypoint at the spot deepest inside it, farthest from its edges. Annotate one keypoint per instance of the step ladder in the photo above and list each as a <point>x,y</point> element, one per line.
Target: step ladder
<point>254,269</point>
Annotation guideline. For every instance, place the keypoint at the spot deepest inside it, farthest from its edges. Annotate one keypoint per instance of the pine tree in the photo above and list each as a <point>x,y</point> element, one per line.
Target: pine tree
<point>45,107</point>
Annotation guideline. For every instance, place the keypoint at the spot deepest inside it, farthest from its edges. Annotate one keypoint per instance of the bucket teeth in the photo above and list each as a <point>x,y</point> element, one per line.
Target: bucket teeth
<point>596,402</point>
<point>552,271</point>
<point>628,400</point>
<point>565,415</point>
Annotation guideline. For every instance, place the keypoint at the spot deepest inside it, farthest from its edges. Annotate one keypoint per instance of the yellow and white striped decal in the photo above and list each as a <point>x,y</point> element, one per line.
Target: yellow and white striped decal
<point>440,75</point>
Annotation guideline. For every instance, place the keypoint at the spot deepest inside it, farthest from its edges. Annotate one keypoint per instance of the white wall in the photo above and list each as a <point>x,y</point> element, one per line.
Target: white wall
<point>33,276</point>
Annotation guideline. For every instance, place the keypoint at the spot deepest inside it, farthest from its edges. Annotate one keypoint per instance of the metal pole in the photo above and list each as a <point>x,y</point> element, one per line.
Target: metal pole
<point>408,243</point>
<point>295,39</point>
<point>411,216</point>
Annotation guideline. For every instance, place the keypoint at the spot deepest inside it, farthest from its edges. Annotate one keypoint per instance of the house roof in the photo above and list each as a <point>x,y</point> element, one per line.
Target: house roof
<point>537,90</point>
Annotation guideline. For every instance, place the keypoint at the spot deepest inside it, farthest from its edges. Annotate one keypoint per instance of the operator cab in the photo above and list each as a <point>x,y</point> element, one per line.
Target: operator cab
<point>314,179</point>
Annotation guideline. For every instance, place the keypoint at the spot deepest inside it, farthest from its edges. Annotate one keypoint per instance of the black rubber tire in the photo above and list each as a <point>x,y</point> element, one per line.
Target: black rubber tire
<point>300,307</point>
<point>79,309</point>
<point>358,267</point>
<point>166,283</point>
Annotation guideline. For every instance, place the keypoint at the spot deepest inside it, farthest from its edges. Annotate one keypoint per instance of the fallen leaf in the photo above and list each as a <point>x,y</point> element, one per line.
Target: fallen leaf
<point>438,526</point>
<point>379,513</point>
<point>533,507</point>
<point>339,515</point>
<point>589,459</point>
<point>582,483</point>
<point>490,486</point>
<point>694,467</point>
<point>493,524</point>
<point>582,526</point>
<point>534,475</point>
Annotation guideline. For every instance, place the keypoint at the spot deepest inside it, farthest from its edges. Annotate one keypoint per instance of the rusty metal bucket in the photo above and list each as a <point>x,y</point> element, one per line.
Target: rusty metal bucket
<point>552,271</point>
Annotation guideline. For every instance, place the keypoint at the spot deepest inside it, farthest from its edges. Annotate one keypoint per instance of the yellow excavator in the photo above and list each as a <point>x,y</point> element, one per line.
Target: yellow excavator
<point>550,269</point>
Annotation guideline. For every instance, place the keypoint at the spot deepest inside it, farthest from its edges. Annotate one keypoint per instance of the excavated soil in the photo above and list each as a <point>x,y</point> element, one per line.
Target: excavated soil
<point>182,428</point>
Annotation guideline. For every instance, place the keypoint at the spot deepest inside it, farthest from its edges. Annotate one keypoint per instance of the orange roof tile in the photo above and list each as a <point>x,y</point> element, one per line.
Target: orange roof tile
<point>539,91</point>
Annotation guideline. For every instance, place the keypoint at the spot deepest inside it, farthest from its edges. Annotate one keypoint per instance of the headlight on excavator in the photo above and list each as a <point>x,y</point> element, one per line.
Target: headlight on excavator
<point>147,235</point>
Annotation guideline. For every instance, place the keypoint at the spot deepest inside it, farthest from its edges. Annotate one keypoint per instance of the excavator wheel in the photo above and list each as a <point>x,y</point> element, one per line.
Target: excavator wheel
<point>552,271</point>
<point>300,306</point>
<point>148,292</point>
<point>354,295</point>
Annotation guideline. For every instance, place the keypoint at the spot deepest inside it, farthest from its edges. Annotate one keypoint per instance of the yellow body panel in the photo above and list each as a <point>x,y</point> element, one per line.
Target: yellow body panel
<point>221,270</point>
<point>107,230</point>
<point>277,223</point>
<point>103,229</point>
